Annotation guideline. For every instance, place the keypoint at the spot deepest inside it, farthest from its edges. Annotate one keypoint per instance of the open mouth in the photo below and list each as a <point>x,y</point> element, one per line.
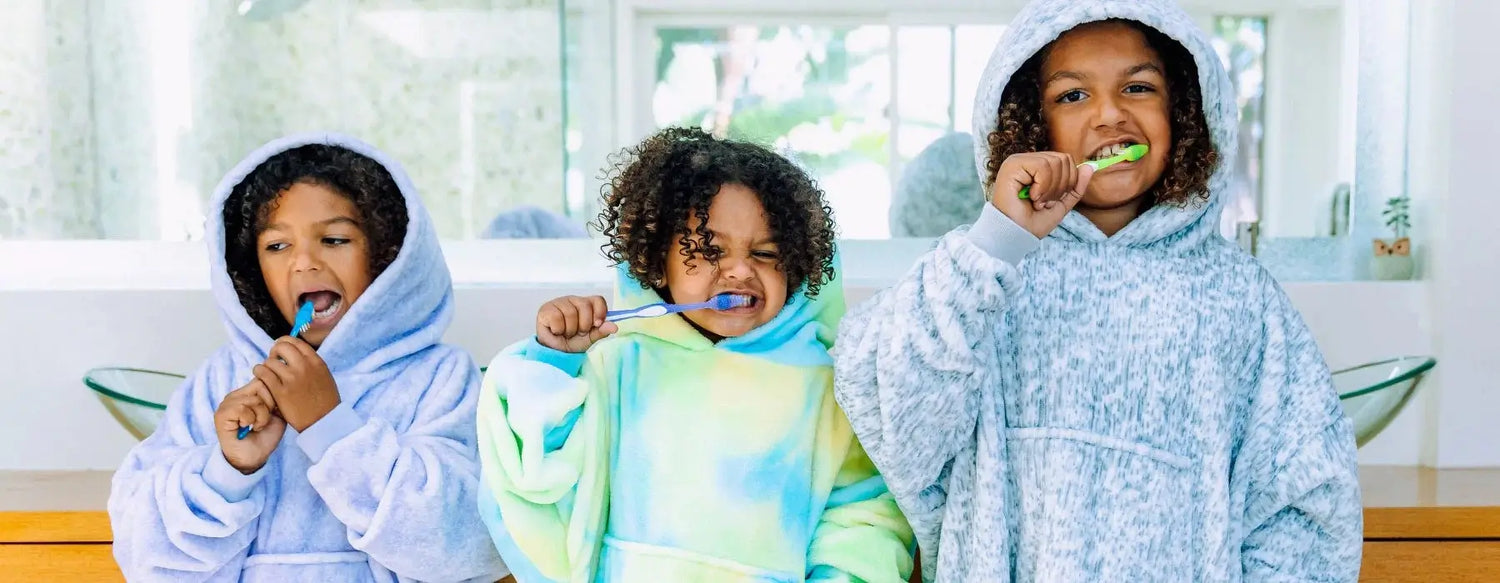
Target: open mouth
<point>748,303</point>
<point>1112,150</point>
<point>326,303</point>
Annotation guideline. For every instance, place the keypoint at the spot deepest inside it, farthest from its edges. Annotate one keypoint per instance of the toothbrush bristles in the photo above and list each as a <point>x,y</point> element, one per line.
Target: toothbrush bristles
<point>730,301</point>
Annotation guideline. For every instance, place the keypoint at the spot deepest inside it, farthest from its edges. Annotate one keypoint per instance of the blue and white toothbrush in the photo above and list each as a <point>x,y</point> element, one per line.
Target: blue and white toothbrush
<point>719,302</point>
<point>299,325</point>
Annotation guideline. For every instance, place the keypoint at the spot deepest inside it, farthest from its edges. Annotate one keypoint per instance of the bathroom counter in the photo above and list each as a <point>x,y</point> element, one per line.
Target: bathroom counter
<point>1421,524</point>
<point>1419,503</point>
<point>53,526</point>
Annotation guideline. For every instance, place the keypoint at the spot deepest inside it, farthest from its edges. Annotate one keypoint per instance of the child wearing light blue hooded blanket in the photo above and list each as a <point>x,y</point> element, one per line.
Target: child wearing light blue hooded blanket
<point>359,464</point>
<point>1091,384</point>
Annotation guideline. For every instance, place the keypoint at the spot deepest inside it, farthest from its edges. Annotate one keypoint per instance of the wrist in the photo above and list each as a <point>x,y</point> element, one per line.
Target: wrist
<point>241,466</point>
<point>307,418</point>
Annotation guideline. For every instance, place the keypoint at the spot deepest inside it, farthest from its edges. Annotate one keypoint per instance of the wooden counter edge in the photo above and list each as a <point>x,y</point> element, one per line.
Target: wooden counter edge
<point>55,527</point>
<point>1432,523</point>
<point>1393,523</point>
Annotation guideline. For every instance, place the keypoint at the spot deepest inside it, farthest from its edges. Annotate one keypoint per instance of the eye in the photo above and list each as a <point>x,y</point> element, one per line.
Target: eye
<point>767,255</point>
<point>1071,96</point>
<point>274,247</point>
<point>1139,88</point>
<point>335,241</point>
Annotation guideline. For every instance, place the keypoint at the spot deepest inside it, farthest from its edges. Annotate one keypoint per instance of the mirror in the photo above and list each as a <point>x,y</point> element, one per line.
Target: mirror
<point>1321,88</point>
<point>879,111</point>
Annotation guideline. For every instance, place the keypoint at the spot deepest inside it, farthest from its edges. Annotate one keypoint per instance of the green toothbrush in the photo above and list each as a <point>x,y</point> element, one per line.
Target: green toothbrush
<point>1130,154</point>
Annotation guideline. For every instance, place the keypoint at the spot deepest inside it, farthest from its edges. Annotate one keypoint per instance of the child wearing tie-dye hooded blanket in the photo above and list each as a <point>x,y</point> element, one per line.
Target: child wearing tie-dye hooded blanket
<point>700,446</point>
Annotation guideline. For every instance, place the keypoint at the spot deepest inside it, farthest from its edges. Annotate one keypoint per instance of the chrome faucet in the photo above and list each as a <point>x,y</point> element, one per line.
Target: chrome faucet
<point>1247,234</point>
<point>1338,215</point>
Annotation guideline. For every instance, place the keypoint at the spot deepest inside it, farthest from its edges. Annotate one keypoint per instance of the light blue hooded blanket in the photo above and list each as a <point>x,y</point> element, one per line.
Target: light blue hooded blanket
<point>1142,407</point>
<point>381,489</point>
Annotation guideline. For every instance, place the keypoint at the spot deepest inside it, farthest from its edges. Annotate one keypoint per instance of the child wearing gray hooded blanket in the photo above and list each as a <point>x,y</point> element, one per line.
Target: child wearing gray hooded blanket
<point>1091,384</point>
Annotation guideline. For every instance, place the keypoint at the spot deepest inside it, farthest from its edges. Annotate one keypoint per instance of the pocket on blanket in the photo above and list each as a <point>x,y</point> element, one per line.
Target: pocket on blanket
<point>1099,508</point>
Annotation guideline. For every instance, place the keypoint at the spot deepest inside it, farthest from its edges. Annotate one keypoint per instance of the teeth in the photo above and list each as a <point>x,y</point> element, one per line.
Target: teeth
<point>332,309</point>
<point>1108,151</point>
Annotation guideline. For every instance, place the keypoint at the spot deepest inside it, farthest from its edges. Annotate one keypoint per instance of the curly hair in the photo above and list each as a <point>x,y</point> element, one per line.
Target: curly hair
<point>1022,127</point>
<point>362,180</point>
<point>655,187</point>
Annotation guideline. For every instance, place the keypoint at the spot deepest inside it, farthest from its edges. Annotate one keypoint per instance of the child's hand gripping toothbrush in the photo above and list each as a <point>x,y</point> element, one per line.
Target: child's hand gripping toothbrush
<point>1130,154</point>
<point>573,324</point>
<point>1060,185</point>
<point>299,326</point>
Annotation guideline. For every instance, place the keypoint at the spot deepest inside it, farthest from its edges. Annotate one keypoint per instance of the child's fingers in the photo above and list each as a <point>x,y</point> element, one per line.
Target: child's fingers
<point>299,346</point>
<point>602,332</point>
<point>569,317</point>
<point>601,310</point>
<point>260,413</point>
<point>285,352</point>
<point>237,414</point>
<point>586,314</point>
<point>1081,180</point>
<point>228,418</point>
<point>549,318</point>
<point>1071,198</point>
<point>283,370</point>
<point>1070,181</point>
<point>1063,175</point>
<point>267,377</point>
<point>259,391</point>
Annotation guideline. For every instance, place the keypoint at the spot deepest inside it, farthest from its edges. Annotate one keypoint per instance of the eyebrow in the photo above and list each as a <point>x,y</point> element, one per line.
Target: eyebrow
<point>755,243</point>
<point>1060,75</point>
<point>1143,68</point>
<point>322,223</point>
<point>1076,76</point>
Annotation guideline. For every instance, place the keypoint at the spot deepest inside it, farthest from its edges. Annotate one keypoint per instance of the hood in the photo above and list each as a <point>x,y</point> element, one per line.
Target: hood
<point>407,307</point>
<point>1043,21</point>
<point>800,335</point>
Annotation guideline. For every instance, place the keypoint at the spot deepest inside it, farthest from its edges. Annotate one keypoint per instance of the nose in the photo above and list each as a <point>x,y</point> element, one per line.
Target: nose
<point>736,269</point>
<point>306,258</point>
<point>1108,113</point>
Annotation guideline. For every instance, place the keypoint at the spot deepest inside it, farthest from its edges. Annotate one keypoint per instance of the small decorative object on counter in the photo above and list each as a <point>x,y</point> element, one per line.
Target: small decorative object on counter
<point>1392,259</point>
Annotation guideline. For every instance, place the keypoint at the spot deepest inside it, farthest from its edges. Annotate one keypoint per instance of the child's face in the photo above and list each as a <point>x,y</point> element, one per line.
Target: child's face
<point>746,265</point>
<point>313,249</point>
<point>1103,86</point>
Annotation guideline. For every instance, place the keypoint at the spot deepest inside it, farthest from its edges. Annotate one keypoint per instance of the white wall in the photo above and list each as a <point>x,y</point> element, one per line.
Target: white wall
<point>1456,86</point>
<point>53,337</point>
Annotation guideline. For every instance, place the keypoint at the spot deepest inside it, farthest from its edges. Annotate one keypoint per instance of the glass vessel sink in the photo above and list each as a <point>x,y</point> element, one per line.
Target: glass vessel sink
<point>1374,393</point>
<point>137,398</point>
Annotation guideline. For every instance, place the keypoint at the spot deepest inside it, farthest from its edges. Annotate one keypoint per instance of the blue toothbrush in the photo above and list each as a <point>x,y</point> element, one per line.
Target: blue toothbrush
<point>300,325</point>
<point>718,302</point>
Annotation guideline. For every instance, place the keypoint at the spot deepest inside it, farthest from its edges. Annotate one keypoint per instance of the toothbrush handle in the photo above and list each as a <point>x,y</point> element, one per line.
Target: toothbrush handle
<point>653,311</point>
<point>641,312</point>
<point>244,431</point>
